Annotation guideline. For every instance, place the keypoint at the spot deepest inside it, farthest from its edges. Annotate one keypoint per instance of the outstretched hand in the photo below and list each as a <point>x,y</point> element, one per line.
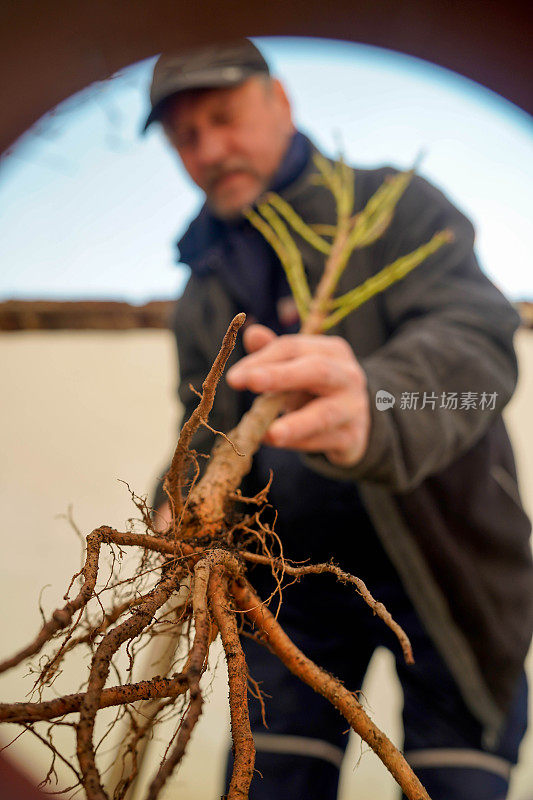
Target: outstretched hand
<point>329,411</point>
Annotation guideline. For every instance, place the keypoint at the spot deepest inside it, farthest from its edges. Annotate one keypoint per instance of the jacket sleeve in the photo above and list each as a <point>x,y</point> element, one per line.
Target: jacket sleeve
<point>451,331</point>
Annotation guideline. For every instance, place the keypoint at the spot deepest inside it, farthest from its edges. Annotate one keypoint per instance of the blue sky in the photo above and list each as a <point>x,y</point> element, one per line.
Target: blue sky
<point>91,209</point>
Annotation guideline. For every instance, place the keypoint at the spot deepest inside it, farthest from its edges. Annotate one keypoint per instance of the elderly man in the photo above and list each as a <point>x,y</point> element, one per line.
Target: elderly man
<point>419,498</point>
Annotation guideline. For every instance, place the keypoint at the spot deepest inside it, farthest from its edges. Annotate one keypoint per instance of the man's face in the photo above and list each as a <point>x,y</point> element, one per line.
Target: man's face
<point>231,141</point>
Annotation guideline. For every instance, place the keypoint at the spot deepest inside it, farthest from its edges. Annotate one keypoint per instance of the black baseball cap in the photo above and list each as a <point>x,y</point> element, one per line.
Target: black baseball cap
<point>211,67</point>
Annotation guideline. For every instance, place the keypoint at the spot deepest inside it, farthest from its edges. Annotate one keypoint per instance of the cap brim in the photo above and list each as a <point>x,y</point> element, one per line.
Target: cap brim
<point>208,79</point>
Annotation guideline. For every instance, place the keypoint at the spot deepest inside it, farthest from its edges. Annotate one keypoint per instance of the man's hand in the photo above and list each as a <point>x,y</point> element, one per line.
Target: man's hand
<point>329,411</point>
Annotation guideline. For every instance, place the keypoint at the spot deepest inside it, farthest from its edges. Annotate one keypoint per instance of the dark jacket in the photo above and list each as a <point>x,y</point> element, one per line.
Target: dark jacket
<point>439,485</point>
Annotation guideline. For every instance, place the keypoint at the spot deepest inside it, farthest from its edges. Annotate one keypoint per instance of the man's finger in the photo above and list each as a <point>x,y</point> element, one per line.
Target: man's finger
<point>311,373</point>
<point>289,346</point>
<point>344,444</point>
<point>314,419</point>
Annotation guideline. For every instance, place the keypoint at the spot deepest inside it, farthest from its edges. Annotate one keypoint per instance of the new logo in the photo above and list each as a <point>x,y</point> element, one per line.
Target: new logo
<point>384,400</point>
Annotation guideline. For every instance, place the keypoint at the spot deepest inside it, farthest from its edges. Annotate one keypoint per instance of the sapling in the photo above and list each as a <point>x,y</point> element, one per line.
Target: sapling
<point>192,579</point>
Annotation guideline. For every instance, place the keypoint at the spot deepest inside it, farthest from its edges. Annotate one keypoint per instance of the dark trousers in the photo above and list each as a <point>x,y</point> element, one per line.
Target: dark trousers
<point>299,755</point>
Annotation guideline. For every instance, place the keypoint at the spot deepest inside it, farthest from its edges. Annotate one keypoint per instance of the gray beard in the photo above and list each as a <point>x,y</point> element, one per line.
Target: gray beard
<point>232,216</point>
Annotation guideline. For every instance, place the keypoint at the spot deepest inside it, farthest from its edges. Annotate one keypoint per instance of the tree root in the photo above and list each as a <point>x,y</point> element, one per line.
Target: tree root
<point>343,577</point>
<point>241,734</point>
<point>273,636</point>
<point>174,479</point>
<point>90,704</point>
<point>206,549</point>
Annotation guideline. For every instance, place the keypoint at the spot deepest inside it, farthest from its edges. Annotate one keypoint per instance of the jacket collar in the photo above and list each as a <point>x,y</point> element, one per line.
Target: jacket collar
<point>206,230</point>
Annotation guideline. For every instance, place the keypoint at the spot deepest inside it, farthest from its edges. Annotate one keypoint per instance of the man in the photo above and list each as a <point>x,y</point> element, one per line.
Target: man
<point>418,498</point>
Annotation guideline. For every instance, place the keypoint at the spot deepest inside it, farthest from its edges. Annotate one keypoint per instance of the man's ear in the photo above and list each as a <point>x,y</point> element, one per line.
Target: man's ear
<point>282,99</point>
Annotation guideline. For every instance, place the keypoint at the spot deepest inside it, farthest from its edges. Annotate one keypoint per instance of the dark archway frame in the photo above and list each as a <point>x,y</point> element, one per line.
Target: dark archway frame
<point>50,50</point>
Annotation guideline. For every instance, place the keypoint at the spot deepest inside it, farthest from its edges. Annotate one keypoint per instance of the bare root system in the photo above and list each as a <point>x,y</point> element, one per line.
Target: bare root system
<point>189,582</point>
